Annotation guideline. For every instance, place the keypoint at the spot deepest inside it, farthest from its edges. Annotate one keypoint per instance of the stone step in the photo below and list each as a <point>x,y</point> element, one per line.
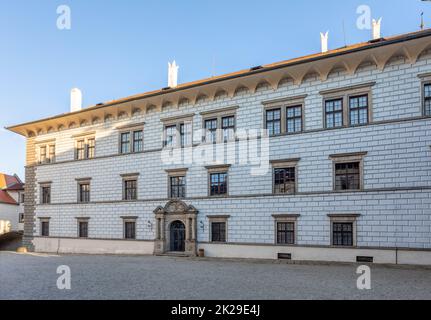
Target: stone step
<point>173,254</point>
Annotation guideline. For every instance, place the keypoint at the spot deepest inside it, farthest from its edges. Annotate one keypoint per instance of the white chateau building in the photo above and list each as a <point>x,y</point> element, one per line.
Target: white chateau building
<point>343,173</point>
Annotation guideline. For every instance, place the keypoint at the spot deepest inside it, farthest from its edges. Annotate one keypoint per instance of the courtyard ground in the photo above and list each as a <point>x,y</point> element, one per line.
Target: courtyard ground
<point>129,277</point>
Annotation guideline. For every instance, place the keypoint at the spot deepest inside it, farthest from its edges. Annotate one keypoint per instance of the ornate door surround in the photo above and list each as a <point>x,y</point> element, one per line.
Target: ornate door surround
<point>175,210</point>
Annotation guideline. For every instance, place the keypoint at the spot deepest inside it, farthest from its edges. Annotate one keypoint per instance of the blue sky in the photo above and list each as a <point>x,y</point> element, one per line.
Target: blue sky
<point>119,48</point>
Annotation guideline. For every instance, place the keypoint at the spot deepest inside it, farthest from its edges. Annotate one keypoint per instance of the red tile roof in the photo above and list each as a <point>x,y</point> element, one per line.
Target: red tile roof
<point>8,182</point>
<point>6,198</point>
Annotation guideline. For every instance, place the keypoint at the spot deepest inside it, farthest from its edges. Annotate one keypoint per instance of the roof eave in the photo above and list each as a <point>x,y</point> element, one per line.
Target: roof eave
<point>20,128</point>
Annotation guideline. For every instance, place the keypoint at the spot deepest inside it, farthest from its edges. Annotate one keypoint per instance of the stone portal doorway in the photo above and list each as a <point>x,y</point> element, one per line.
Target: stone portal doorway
<point>176,228</point>
<point>178,236</point>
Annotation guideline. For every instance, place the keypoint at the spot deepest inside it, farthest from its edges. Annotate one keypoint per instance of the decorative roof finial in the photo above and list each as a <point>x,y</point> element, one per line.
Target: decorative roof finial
<point>173,74</point>
<point>324,41</point>
<point>377,28</point>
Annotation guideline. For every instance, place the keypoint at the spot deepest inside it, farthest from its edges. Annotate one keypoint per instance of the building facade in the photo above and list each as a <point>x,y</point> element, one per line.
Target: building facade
<point>11,203</point>
<point>341,172</point>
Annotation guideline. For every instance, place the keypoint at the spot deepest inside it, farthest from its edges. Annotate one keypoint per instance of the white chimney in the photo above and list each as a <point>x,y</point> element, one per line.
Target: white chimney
<point>75,100</point>
<point>173,74</point>
<point>377,28</point>
<point>324,41</point>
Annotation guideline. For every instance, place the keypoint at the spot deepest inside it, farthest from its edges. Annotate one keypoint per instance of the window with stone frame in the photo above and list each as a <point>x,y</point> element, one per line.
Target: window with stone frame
<point>177,183</point>
<point>358,110</point>
<point>294,119</point>
<point>347,176</point>
<point>348,171</point>
<point>178,132</point>
<point>211,130</point>
<point>342,234</point>
<point>285,180</point>
<point>273,122</point>
<point>46,152</point>
<point>138,141</point>
<point>427,99</point>
<point>343,229</point>
<point>218,228</point>
<point>218,183</point>
<point>130,189</point>
<point>83,228</point>
<point>51,154</point>
<point>228,127</point>
<point>284,116</point>
<point>84,192</point>
<point>129,228</point>
<point>44,228</point>
<point>170,136</point>
<point>348,107</point>
<point>131,138</point>
<point>285,176</point>
<point>219,125</point>
<point>80,149</point>
<point>42,154</point>
<point>125,143</point>
<point>285,228</point>
<point>186,134</point>
<point>177,187</point>
<point>334,113</point>
<point>218,231</point>
<point>91,148</point>
<point>85,147</point>
<point>285,233</point>
<point>45,193</point>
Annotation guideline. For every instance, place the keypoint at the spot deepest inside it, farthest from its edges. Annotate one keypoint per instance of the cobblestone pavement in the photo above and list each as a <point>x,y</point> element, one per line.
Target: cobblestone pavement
<point>131,277</point>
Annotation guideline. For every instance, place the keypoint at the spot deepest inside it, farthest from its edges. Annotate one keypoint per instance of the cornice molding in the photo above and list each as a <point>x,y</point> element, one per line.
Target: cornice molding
<point>380,53</point>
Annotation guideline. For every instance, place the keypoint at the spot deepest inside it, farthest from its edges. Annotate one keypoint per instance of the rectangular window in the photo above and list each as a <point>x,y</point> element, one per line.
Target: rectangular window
<point>294,119</point>
<point>284,180</point>
<point>44,228</point>
<point>218,184</point>
<point>125,142</point>
<point>51,153</point>
<point>186,134</point>
<point>46,195</point>
<point>177,187</point>
<point>342,234</point>
<point>334,113</point>
<point>228,127</point>
<point>211,131</point>
<point>218,231</point>
<point>42,154</point>
<point>83,229</point>
<point>285,233</point>
<point>171,136</point>
<point>358,110</point>
<point>427,99</point>
<point>138,141</point>
<point>273,122</point>
<point>21,218</point>
<point>130,230</point>
<point>80,149</point>
<point>219,125</point>
<point>84,192</point>
<point>130,190</point>
<point>91,148</point>
<point>347,176</point>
